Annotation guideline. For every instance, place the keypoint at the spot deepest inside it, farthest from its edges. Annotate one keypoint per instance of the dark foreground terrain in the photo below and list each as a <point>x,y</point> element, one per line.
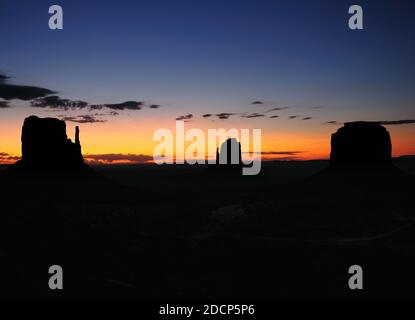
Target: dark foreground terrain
<point>150,232</point>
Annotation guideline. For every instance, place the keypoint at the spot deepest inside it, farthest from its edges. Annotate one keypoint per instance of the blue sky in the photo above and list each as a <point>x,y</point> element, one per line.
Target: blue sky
<point>227,52</point>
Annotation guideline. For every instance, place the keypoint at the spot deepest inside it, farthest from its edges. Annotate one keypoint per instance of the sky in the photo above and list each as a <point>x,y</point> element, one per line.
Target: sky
<point>293,69</point>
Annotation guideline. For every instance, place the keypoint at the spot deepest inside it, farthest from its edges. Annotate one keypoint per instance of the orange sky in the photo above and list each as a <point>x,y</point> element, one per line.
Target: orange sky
<point>133,135</point>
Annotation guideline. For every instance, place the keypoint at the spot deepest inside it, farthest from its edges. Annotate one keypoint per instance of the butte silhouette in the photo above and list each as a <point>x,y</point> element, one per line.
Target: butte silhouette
<point>52,168</point>
<point>46,147</point>
<point>228,158</point>
<point>361,193</point>
<point>361,157</point>
<point>361,143</point>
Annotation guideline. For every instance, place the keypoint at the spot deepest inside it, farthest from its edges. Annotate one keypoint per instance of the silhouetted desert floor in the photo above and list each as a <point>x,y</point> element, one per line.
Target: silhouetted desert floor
<point>174,232</point>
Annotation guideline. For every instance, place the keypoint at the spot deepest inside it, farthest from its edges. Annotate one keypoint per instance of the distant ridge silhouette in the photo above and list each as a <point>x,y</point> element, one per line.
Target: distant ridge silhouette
<point>46,147</point>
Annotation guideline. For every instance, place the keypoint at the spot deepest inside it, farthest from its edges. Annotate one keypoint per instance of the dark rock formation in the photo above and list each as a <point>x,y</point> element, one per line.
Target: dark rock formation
<point>361,143</point>
<point>228,158</point>
<point>45,145</point>
<point>230,153</point>
<point>360,160</point>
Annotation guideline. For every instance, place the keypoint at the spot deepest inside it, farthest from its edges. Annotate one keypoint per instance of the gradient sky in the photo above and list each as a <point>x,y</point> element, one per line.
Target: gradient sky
<point>198,57</point>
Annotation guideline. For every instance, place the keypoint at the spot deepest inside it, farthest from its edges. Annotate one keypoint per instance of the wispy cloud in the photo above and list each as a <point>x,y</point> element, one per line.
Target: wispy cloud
<point>283,153</point>
<point>397,122</point>
<point>117,158</point>
<point>278,155</point>
<point>6,158</point>
<point>257,102</point>
<point>86,118</point>
<point>127,105</point>
<point>185,117</point>
<point>224,115</point>
<point>383,122</point>
<point>253,115</point>
<point>277,109</point>
<point>55,102</point>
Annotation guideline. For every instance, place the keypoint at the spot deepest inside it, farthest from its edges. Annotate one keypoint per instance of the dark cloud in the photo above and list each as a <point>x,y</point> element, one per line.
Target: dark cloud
<point>207,115</point>
<point>112,158</point>
<point>45,98</point>
<point>3,78</point>
<point>128,105</point>
<point>4,104</point>
<point>55,102</point>
<point>331,122</point>
<point>83,119</point>
<point>277,109</point>
<point>253,115</point>
<point>257,102</point>
<point>274,117</point>
<point>9,92</point>
<point>224,115</point>
<point>112,113</point>
<point>185,117</point>
<point>307,118</point>
<point>397,122</point>
<point>292,117</point>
